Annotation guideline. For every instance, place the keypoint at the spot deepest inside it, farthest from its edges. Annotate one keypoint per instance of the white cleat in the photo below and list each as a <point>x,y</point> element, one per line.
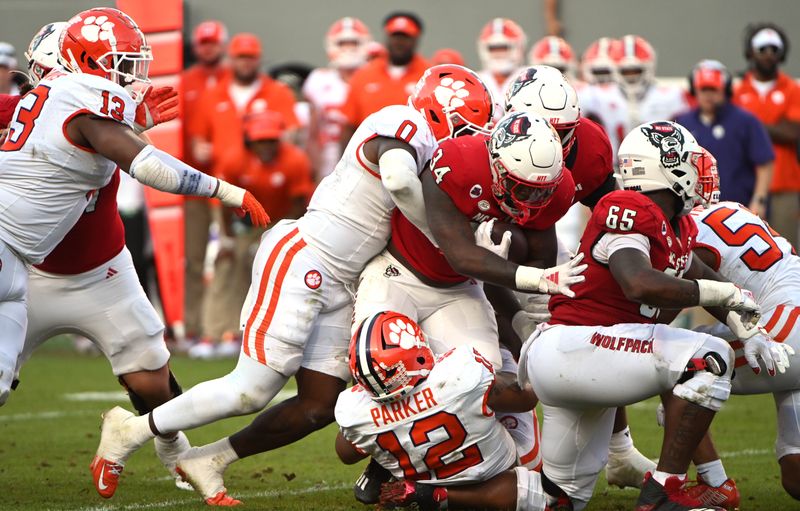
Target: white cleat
<point>628,469</point>
<point>203,469</point>
<point>168,451</point>
<point>120,436</point>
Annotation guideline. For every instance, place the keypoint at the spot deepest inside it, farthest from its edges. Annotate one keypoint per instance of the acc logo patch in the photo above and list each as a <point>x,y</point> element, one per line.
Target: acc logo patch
<point>475,191</point>
<point>509,422</point>
<point>313,279</point>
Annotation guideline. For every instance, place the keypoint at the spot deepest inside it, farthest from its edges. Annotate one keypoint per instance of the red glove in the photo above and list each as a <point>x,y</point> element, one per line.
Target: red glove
<point>160,104</point>
<point>258,216</point>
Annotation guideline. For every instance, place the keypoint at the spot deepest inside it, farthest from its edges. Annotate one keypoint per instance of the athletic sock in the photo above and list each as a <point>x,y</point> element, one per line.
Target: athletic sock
<point>221,452</point>
<point>713,473</point>
<point>621,441</point>
<point>661,477</point>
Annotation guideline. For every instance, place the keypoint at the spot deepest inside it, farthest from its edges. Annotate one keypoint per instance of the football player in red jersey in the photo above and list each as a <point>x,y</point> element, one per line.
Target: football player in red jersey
<point>587,153</point>
<point>605,348</point>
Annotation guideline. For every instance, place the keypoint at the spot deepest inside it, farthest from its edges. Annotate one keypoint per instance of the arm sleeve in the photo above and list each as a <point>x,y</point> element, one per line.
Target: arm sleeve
<point>400,179</point>
<point>610,243</point>
<point>408,125</point>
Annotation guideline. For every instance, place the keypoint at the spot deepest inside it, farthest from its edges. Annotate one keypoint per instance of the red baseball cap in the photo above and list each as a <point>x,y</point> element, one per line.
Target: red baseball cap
<point>210,31</point>
<point>709,74</point>
<point>245,45</point>
<point>447,56</point>
<point>267,125</point>
<point>402,25</point>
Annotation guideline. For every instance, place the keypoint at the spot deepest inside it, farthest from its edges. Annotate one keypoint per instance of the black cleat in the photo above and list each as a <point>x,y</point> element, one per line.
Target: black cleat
<point>367,489</point>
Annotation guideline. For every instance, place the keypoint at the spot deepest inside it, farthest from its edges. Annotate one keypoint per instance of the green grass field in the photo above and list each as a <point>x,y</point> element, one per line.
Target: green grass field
<point>49,438</point>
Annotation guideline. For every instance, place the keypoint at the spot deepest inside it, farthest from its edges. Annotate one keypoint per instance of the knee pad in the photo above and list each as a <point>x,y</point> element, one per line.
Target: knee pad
<point>707,380</point>
<point>530,493</point>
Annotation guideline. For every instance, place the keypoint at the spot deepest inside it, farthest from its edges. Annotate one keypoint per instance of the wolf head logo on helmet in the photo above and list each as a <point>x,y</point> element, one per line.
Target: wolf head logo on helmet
<point>524,78</point>
<point>668,139</point>
<point>514,128</point>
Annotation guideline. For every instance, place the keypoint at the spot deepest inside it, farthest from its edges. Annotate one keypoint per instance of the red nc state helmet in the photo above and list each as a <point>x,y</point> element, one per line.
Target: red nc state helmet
<point>454,101</point>
<point>389,355</point>
<point>106,42</point>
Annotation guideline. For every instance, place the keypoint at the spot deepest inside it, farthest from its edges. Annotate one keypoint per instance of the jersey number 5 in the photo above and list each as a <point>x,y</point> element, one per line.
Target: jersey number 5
<point>421,432</point>
<point>30,108</point>
<point>752,259</point>
<point>622,222</point>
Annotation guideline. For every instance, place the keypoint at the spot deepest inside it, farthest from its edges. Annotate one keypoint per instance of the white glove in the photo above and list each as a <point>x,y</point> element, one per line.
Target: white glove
<point>726,295</point>
<point>773,354</point>
<point>553,281</point>
<point>535,304</point>
<point>483,238</point>
<point>524,324</point>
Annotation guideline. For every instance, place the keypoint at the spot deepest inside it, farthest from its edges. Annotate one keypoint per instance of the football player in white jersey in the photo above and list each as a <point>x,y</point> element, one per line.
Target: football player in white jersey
<point>745,250</point>
<point>67,137</point>
<point>297,315</point>
<point>326,90</point>
<point>636,98</point>
<point>501,48</point>
<point>434,432</point>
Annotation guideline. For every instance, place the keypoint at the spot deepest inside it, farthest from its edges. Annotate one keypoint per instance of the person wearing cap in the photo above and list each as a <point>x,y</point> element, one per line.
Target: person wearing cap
<point>8,63</point>
<point>733,135</point>
<point>208,47</point>
<point>389,81</point>
<point>276,172</point>
<point>774,98</point>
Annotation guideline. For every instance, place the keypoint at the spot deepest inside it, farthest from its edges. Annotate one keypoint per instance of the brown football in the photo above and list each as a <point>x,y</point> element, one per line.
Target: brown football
<point>518,252</point>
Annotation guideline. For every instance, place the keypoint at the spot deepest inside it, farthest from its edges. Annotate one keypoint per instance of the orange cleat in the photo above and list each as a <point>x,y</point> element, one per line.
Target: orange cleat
<point>725,495</point>
<point>106,476</point>
<point>222,499</point>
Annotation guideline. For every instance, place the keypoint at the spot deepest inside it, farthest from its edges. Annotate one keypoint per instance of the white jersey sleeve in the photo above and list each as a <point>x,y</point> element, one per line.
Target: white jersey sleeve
<point>348,218</point>
<point>749,253</point>
<point>443,432</point>
<point>46,179</point>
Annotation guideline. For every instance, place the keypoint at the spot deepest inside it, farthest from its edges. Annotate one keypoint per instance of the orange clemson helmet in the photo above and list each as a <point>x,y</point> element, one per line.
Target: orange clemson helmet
<point>707,188</point>
<point>389,355</point>
<point>346,43</point>
<point>106,42</point>
<point>454,101</point>
<point>555,52</point>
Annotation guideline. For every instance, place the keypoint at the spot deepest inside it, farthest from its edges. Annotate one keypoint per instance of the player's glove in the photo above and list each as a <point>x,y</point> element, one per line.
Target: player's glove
<point>729,296</point>
<point>758,345</point>
<point>160,104</point>
<point>535,304</point>
<point>243,202</point>
<point>409,493</point>
<point>553,281</point>
<point>483,238</point>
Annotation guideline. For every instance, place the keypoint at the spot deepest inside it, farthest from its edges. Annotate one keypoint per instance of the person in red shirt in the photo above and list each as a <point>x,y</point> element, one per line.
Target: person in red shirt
<point>208,46</point>
<point>389,81</point>
<point>278,173</point>
<point>774,98</point>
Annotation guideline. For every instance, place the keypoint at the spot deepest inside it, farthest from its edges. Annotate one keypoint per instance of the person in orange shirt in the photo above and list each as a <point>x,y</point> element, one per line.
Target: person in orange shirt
<point>278,173</point>
<point>384,82</point>
<point>774,98</point>
<point>208,47</point>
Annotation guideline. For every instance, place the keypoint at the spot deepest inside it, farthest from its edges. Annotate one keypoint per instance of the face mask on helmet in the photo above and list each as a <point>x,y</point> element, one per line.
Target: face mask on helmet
<point>389,356</point>
<point>501,46</point>
<point>42,53</point>
<point>707,189</point>
<point>527,164</point>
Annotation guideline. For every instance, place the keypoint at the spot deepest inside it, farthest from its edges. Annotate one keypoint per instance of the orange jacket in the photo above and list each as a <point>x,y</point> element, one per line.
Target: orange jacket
<point>371,88</point>
<point>220,123</point>
<point>276,184</point>
<point>782,102</point>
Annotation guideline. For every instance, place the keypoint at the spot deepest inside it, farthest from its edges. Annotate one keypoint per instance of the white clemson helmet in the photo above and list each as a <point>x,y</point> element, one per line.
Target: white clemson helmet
<point>501,46</point>
<point>663,155</point>
<point>597,64</point>
<point>346,43</point>
<point>42,53</point>
<point>556,52</point>
<point>527,164</point>
<point>545,91</point>
<point>636,64</point>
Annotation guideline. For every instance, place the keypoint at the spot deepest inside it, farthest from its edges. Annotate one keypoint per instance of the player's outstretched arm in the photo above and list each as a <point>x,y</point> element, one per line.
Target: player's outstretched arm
<point>347,451</point>
<point>506,396</point>
<point>156,168</point>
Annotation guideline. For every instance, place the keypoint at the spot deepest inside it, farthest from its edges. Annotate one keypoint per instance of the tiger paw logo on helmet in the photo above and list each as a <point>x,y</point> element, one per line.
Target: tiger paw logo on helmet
<point>450,92</point>
<point>98,28</point>
<point>668,138</point>
<point>403,334</point>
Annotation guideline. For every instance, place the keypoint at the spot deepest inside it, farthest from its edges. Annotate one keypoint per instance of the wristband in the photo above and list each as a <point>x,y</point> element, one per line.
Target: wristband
<point>528,278</point>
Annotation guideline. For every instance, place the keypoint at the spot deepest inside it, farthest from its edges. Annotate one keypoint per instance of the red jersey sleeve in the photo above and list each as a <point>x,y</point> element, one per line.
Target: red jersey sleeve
<point>8,103</point>
<point>626,212</point>
<point>593,159</point>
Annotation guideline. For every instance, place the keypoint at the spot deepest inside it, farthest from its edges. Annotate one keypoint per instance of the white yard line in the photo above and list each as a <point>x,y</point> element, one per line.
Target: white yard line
<point>50,415</point>
<point>245,495</point>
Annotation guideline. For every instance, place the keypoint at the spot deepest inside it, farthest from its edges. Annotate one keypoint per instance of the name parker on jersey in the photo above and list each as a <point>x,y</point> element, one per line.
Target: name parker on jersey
<point>404,408</point>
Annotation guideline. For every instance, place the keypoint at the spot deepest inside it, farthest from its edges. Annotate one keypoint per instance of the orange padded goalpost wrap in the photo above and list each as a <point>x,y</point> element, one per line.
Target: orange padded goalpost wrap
<point>162,23</point>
